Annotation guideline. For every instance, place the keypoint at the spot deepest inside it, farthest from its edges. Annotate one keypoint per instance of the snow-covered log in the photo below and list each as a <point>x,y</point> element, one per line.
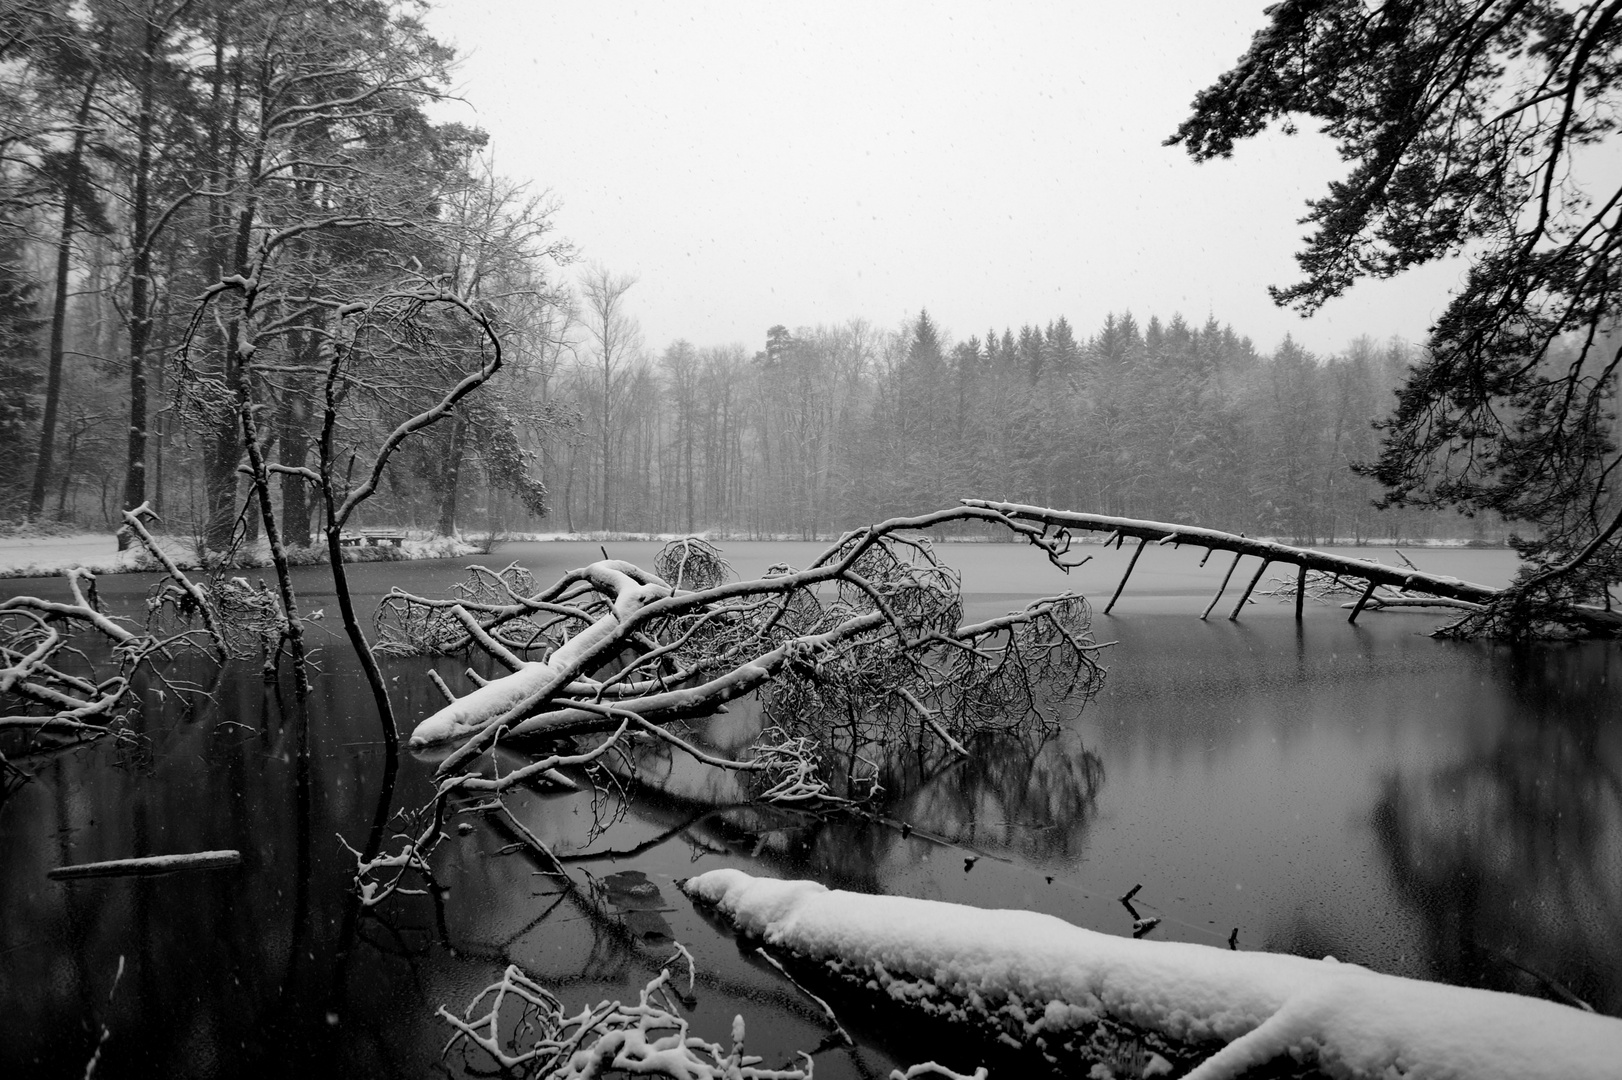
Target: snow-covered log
<point>148,865</point>
<point>1196,1011</point>
<point>630,589</point>
<point>1165,532</point>
<point>1591,619</point>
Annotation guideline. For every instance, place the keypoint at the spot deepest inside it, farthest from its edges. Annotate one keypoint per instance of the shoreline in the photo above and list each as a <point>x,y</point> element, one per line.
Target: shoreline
<point>47,555</point>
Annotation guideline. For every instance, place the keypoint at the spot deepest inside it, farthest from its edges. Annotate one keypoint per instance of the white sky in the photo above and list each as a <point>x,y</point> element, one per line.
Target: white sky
<point>997,164</point>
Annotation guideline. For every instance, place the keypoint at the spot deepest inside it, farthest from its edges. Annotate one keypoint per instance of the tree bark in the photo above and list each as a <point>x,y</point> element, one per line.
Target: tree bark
<point>140,328</point>
<point>452,475</point>
<point>59,311</point>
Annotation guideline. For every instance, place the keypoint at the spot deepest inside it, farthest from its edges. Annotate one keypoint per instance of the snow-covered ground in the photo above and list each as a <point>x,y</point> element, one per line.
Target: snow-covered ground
<point>31,556</point>
<point>40,556</point>
<point>1046,983</point>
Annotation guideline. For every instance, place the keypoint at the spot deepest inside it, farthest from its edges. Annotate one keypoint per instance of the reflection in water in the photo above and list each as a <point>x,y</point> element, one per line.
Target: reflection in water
<point>232,772</point>
<point>1431,809</point>
<point>1513,851</point>
<point>1033,797</point>
<point>1028,795</point>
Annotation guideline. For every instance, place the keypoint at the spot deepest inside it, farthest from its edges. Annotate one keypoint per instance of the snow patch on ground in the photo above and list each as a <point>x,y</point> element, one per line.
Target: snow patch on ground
<point>44,556</point>
<point>1354,1023</point>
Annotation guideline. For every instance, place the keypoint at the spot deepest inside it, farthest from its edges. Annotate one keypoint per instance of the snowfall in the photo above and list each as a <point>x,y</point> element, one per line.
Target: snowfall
<point>1215,1012</point>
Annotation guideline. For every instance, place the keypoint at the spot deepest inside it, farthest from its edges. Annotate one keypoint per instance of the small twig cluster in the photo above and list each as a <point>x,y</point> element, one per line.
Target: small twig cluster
<point>524,1027</point>
<point>383,874</point>
<point>1321,588</point>
<point>692,563</point>
<point>50,682</point>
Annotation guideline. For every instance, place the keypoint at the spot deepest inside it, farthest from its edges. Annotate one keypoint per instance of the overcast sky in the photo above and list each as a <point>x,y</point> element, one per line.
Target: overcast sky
<point>995,164</point>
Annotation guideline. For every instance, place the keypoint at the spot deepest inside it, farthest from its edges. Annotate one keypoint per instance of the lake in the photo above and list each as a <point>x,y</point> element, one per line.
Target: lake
<point>1443,810</point>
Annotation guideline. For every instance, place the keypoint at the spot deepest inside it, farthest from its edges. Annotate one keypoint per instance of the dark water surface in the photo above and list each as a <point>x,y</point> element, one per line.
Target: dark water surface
<point>1441,810</point>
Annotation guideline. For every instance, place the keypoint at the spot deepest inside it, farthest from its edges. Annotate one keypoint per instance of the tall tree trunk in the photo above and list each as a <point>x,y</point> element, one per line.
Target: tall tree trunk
<point>296,443</point>
<point>59,312</point>
<point>67,476</point>
<point>452,476</point>
<point>140,280</point>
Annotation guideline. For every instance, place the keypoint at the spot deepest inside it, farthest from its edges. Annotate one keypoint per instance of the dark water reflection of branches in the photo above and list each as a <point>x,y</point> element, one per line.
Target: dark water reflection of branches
<point>1032,796</point>
<point>1512,854</point>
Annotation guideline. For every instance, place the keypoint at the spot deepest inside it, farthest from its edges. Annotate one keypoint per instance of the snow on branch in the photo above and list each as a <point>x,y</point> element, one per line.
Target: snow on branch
<point>47,684</point>
<point>853,653</point>
<point>524,1028</point>
<point>648,1038</point>
<point>1533,606</point>
<point>1078,996</point>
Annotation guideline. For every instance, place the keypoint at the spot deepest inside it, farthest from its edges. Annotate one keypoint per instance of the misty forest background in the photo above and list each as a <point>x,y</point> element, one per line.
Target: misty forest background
<point>150,148</point>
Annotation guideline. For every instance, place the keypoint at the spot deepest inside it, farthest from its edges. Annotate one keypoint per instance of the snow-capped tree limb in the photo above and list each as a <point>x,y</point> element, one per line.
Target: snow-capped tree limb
<point>1205,1013</point>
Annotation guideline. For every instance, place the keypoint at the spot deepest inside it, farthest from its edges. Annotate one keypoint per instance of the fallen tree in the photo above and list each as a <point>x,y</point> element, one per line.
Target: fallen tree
<point>852,659</point>
<point>1084,998</point>
<point>870,635</point>
<point>1525,609</point>
<point>846,655</point>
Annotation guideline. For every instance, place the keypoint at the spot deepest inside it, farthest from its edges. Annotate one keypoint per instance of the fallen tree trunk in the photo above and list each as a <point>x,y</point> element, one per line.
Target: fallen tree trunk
<point>1161,532</point>
<point>1407,579</point>
<point>1035,981</point>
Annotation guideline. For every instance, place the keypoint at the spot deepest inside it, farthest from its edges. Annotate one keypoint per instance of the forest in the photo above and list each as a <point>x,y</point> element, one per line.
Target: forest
<point>258,293</point>
<point>201,202</point>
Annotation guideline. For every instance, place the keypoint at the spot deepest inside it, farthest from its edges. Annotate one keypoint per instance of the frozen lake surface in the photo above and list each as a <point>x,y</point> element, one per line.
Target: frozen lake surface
<point>1436,809</point>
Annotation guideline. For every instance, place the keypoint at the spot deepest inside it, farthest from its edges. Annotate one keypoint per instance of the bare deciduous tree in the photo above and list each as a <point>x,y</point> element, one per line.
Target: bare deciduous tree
<point>615,341</point>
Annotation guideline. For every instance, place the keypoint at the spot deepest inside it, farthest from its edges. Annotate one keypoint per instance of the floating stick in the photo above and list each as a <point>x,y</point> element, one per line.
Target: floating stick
<point>1133,562</point>
<point>151,864</point>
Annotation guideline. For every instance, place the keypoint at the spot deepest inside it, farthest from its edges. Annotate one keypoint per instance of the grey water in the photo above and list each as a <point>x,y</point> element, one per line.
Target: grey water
<point>1433,809</point>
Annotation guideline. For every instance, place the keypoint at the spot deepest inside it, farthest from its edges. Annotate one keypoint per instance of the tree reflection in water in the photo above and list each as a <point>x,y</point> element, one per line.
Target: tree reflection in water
<point>1029,796</point>
<point>1512,854</point>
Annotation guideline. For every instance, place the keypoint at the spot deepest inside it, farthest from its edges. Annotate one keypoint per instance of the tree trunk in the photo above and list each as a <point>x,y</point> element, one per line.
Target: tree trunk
<point>452,477</point>
<point>59,311</point>
<point>295,454</point>
<point>140,284</point>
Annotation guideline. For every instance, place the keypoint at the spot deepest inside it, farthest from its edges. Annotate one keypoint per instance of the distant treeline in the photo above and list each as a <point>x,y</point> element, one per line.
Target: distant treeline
<point>211,211</point>
<point>831,427</point>
<point>199,201</point>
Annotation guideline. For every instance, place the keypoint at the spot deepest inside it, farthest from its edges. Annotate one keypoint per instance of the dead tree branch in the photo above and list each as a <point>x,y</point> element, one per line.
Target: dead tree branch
<point>1515,605</point>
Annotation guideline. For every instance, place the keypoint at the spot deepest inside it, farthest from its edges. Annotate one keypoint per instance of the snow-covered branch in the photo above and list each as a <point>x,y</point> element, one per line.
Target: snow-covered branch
<point>1078,996</point>
<point>874,615</point>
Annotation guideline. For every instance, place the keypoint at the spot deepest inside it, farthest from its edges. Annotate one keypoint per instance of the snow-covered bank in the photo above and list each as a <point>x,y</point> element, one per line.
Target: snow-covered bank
<point>46,556</point>
<point>1046,983</point>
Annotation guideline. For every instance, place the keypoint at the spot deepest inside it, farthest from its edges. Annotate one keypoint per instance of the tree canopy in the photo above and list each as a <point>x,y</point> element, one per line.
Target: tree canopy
<point>1471,127</point>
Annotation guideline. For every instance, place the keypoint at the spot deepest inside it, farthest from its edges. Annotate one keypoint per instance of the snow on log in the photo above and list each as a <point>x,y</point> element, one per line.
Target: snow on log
<point>1162,532</point>
<point>1213,1013</point>
<point>534,682</point>
<point>148,865</point>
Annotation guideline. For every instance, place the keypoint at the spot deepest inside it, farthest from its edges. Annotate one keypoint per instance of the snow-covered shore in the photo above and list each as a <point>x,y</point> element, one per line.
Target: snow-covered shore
<point>45,556</point>
<point>1206,1013</point>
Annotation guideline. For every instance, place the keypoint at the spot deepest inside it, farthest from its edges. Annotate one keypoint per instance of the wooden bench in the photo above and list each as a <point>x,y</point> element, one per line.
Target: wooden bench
<point>372,537</point>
